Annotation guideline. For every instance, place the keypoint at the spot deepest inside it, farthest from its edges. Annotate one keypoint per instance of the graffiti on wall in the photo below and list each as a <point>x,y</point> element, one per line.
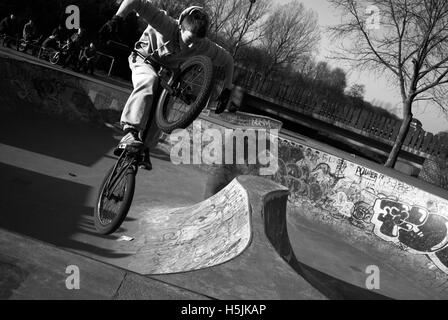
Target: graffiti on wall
<point>53,93</point>
<point>245,120</point>
<point>394,211</point>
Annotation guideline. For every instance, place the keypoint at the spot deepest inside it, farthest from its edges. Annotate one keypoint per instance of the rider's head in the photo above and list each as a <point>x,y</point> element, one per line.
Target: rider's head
<point>193,24</point>
<point>12,16</point>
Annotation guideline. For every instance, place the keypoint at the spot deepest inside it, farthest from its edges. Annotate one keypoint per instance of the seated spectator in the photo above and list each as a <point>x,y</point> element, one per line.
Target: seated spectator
<point>29,31</point>
<point>51,43</point>
<point>74,49</point>
<point>87,59</point>
<point>30,38</point>
<point>9,27</point>
<point>59,33</point>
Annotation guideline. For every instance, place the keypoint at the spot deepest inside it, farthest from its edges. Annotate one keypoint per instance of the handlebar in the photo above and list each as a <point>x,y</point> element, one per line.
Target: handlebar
<point>147,59</point>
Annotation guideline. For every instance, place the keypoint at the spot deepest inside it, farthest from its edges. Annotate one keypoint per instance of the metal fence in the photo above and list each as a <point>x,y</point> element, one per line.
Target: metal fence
<point>103,61</point>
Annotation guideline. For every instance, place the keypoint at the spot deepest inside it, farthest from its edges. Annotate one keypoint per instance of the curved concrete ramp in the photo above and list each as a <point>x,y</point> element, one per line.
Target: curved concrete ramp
<point>259,272</point>
<point>195,237</point>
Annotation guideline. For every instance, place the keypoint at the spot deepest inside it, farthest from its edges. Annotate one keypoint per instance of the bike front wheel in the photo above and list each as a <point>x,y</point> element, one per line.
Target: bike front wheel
<point>115,196</point>
<point>188,93</point>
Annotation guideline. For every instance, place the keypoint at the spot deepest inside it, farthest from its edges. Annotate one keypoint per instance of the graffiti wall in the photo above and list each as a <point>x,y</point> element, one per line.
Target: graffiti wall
<point>52,92</point>
<point>407,217</point>
<point>396,212</point>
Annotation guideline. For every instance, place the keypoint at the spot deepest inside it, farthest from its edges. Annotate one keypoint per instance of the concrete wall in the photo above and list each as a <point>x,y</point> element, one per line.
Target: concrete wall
<point>363,200</point>
<point>52,92</point>
<point>355,196</point>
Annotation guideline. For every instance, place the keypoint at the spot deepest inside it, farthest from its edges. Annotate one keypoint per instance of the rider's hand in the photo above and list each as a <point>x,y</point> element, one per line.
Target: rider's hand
<point>223,100</point>
<point>110,30</point>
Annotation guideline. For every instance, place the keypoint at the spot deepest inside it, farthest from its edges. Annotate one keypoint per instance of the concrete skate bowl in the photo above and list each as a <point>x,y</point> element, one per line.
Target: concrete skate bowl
<point>352,219</point>
<point>206,234</point>
<point>169,239</point>
<point>337,221</point>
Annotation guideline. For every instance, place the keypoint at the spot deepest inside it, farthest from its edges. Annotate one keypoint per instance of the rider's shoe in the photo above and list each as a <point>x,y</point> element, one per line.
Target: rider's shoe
<point>145,162</point>
<point>130,140</point>
<point>220,108</point>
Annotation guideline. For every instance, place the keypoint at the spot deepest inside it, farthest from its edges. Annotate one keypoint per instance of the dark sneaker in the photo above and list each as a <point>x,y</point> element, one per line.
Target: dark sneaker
<point>130,140</point>
<point>145,162</point>
<point>220,108</point>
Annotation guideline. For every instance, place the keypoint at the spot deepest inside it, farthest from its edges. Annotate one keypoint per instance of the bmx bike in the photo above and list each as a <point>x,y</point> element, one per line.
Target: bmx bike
<point>180,98</point>
<point>25,44</point>
<point>60,53</point>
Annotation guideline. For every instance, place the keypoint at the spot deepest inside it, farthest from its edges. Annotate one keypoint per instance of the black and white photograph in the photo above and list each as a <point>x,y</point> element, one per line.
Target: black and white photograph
<point>223,156</point>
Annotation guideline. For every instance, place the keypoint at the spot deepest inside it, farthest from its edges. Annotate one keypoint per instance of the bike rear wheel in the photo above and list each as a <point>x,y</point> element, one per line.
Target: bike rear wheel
<point>22,45</point>
<point>188,94</point>
<point>54,57</point>
<point>116,194</point>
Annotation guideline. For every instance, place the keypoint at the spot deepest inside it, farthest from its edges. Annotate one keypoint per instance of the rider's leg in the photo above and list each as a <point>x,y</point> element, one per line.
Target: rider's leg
<point>151,141</point>
<point>153,135</point>
<point>137,110</point>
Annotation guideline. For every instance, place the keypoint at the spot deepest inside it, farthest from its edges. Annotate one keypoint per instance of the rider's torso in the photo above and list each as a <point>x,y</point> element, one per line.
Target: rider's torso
<point>165,47</point>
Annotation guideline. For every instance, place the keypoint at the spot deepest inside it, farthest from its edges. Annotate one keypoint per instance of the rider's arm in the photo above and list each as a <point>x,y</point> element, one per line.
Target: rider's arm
<point>146,10</point>
<point>228,71</point>
<point>223,60</point>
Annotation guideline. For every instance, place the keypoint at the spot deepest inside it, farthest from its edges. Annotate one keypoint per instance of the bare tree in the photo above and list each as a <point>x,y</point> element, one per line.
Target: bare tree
<point>175,7</point>
<point>357,91</point>
<point>291,32</point>
<point>228,16</point>
<point>409,43</point>
<point>322,71</point>
<point>338,79</point>
<point>305,65</point>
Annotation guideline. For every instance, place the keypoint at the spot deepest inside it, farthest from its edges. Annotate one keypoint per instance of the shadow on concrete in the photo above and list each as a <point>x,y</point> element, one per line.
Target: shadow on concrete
<point>275,224</point>
<point>47,208</point>
<point>83,144</point>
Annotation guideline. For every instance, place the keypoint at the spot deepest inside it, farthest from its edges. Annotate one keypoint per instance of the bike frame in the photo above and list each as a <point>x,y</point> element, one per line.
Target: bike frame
<point>111,184</point>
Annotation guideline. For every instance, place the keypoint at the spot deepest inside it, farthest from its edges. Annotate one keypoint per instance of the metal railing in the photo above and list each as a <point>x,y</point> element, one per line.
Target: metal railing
<point>100,54</point>
<point>45,53</point>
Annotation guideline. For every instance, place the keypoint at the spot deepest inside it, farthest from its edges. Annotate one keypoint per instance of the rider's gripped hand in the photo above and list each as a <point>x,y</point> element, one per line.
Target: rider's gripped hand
<point>110,30</point>
<point>223,100</point>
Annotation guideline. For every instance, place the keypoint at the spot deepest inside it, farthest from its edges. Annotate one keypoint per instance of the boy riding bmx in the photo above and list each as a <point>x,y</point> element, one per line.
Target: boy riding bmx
<point>172,42</point>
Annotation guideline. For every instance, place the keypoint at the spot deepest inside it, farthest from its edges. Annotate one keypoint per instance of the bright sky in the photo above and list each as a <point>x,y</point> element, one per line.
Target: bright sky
<point>377,88</point>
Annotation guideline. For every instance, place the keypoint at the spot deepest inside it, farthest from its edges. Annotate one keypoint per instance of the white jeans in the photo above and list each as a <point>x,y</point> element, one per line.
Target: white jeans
<point>139,105</point>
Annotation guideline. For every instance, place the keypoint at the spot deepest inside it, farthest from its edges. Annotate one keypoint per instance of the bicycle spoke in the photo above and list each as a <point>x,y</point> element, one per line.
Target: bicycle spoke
<point>114,190</point>
<point>177,106</point>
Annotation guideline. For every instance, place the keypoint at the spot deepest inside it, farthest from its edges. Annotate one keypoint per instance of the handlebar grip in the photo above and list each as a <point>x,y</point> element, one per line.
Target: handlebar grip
<point>123,47</point>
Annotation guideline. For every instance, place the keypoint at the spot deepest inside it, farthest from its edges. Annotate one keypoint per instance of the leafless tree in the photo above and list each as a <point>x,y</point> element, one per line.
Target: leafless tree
<point>405,38</point>
<point>228,16</point>
<point>175,7</point>
<point>291,32</point>
<point>305,65</point>
<point>338,79</point>
<point>357,91</point>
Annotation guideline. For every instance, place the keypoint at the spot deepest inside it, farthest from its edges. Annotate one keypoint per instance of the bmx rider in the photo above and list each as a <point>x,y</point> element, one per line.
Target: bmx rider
<point>172,42</point>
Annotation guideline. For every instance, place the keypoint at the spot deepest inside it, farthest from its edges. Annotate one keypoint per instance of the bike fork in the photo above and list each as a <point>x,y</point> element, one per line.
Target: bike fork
<point>112,183</point>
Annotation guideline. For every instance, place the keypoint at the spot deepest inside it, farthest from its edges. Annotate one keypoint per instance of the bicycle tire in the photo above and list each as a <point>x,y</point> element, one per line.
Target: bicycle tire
<point>54,58</point>
<point>195,108</point>
<point>116,222</point>
<point>21,46</point>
